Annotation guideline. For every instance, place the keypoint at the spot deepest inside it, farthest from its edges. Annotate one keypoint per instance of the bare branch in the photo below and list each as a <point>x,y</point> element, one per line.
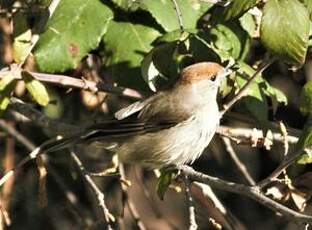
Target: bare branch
<point>71,82</point>
<point>246,87</point>
<point>131,206</point>
<point>191,206</point>
<point>108,217</point>
<point>40,119</point>
<point>244,135</point>
<point>241,167</point>
<point>251,192</point>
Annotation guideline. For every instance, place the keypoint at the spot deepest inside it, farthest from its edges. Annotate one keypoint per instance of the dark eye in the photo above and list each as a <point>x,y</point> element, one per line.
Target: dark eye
<point>213,77</point>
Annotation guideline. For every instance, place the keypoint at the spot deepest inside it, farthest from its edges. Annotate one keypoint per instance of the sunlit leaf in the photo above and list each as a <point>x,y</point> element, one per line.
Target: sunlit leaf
<point>164,181</point>
<point>127,44</point>
<point>306,98</point>
<point>238,7</point>
<point>285,29</point>
<point>75,28</point>
<point>36,89</point>
<point>166,15</point>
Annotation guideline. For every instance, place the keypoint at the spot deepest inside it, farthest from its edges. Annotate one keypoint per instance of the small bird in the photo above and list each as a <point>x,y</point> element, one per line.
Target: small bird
<point>172,127</point>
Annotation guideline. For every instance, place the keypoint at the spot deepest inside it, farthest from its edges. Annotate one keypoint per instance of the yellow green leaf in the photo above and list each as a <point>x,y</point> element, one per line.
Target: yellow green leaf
<point>36,89</point>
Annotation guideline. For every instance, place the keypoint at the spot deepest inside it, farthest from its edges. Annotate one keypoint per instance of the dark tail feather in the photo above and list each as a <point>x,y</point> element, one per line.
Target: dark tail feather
<point>59,144</point>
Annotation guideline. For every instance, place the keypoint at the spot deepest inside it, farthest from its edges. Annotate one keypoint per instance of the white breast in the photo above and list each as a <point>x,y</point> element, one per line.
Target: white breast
<point>178,145</point>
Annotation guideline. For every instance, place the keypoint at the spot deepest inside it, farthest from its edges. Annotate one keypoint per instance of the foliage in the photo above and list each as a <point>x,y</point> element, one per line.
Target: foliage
<point>144,44</point>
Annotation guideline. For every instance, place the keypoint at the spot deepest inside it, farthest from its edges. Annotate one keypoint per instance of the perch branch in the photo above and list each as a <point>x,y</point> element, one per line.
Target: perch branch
<point>251,192</point>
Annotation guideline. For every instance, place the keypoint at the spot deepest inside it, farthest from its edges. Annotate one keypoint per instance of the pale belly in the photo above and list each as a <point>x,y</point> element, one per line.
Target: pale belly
<point>178,145</point>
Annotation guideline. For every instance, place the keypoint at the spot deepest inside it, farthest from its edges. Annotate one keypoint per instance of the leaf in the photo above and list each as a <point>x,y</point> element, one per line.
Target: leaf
<point>75,28</point>
<point>165,14</point>
<point>285,28</point>
<point>56,107</point>
<point>230,41</point>
<point>149,71</point>
<point>257,102</point>
<point>248,23</point>
<point>6,80</point>
<point>174,35</point>
<point>160,66</point>
<point>305,140</point>
<point>7,85</point>
<point>22,37</point>
<point>306,99</point>
<point>36,89</point>
<point>238,8</point>
<point>128,5</point>
<point>127,44</point>
<point>308,4</point>
<point>164,181</point>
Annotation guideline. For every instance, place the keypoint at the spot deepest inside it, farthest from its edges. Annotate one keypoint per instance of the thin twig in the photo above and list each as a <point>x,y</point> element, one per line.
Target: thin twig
<point>246,87</point>
<point>108,217</point>
<point>251,192</point>
<point>191,206</point>
<point>71,197</point>
<point>179,14</point>
<point>240,166</point>
<point>79,83</point>
<point>132,208</point>
<point>40,119</point>
<point>244,135</point>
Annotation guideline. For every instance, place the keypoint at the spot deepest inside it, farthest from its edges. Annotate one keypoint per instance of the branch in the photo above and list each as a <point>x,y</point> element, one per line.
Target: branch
<point>251,192</point>
<point>71,82</point>
<point>40,119</point>
<point>71,197</point>
<point>108,217</point>
<point>132,208</point>
<point>241,167</point>
<point>245,135</point>
<point>246,87</point>
<point>191,206</point>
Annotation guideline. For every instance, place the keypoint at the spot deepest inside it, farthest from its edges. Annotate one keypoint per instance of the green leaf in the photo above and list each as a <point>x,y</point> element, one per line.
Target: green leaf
<point>127,44</point>
<point>75,28</point>
<point>159,68</point>
<point>285,29</point>
<point>36,89</point>
<point>248,23</point>
<point>55,108</point>
<point>164,181</point>
<point>308,4</point>
<point>305,140</point>
<point>22,37</point>
<point>238,8</point>
<point>7,85</point>
<point>165,14</point>
<point>6,80</point>
<point>230,41</point>
<point>175,35</point>
<point>256,101</point>
<point>306,99</point>
<point>128,5</point>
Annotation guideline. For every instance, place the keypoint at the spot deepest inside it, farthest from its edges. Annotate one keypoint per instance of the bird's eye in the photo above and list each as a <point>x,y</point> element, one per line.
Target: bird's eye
<point>213,77</point>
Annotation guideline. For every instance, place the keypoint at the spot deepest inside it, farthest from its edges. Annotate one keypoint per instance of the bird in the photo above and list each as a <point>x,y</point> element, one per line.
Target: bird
<point>172,127</point>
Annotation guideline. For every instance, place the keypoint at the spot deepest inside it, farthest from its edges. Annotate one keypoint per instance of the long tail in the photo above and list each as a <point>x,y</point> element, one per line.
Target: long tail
<point>49,146</point>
